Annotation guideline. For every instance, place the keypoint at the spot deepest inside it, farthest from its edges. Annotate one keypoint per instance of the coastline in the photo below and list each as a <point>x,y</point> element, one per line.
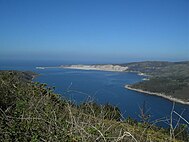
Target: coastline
<point>92,69</point>
<point>42,68</point>
<point>107,67</point>
<point>34,76</point>
<point>158,94</point>
<point>116,68</point>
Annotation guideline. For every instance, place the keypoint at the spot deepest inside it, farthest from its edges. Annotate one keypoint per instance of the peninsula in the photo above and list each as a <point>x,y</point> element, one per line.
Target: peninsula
<point>169,80</point>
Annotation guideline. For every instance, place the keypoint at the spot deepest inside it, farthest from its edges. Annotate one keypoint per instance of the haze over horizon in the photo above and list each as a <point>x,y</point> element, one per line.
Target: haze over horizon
<point>98,31</point>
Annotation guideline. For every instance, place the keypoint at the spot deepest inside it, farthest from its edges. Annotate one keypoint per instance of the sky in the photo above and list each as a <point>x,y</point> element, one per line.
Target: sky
<point>95,31</point>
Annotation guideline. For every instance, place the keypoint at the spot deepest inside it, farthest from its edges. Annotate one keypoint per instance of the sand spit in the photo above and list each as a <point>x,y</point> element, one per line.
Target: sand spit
<point>108,67</point>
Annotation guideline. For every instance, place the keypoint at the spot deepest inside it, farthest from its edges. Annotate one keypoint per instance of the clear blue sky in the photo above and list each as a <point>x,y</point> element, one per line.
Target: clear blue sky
<point>94,30</point>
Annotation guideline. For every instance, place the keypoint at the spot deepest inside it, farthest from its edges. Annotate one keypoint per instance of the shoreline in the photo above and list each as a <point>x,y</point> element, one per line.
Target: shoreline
<point>107,67</point>
<point>158,94</point>
<point>94,68</point>
<point>91,69</point>
<point>114,68</point>
<point>34,76</point>
<point>77,68</point>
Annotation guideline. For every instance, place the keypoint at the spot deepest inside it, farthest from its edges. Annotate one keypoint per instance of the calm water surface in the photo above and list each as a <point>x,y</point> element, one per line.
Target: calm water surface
<point>105,87</point>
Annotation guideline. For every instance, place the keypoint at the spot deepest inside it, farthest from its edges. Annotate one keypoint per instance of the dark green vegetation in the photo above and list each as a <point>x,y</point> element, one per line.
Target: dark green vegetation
<point>32,112</point>
<point>170,78</point>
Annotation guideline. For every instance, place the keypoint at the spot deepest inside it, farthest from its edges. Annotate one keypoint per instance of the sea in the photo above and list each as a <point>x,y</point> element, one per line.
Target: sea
<point>104,87</point>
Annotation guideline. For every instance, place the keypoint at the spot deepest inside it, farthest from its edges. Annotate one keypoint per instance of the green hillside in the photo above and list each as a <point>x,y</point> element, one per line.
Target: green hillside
<point>170,78</point>
<point>32,112</point>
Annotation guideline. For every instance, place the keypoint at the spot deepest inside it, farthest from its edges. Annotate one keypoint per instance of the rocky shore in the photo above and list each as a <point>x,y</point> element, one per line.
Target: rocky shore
<point>158,94</point>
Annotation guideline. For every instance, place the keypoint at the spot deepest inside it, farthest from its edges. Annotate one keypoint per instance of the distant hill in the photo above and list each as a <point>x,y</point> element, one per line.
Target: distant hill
<point>159,68</point>
<point>169,78</point>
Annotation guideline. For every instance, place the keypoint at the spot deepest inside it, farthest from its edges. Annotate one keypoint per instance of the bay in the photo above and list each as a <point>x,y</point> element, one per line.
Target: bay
<point>105,87</point>
<point>108,87</point>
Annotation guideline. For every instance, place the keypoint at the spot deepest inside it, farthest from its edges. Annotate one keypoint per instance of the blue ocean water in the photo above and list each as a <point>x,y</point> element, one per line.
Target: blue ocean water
<point>105,87</point>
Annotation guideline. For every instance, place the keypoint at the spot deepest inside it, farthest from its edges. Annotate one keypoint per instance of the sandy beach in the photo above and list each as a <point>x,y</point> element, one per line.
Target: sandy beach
<point>107,67</point>
<point>158,94</point>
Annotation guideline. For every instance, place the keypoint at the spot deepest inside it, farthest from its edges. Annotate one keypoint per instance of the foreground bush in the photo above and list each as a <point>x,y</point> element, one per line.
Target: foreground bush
<point>32,112</point>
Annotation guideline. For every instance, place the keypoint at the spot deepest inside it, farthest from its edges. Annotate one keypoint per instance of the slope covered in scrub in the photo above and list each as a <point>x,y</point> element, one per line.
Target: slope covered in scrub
<point>30,111</point>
